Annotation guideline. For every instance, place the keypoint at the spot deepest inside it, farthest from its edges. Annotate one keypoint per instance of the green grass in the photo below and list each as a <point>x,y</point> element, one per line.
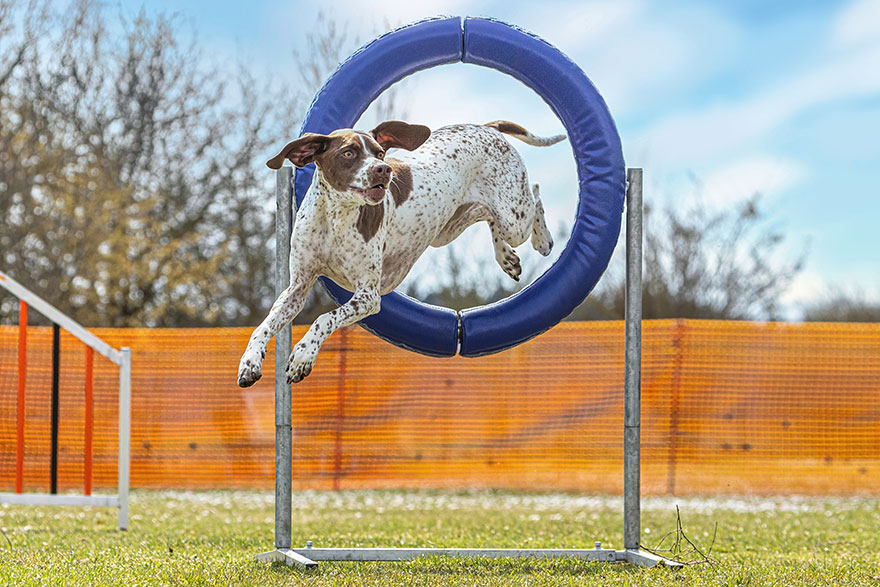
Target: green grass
<point>209,538</point>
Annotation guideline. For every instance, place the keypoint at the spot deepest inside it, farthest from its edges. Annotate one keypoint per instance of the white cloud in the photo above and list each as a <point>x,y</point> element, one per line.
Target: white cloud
<point>740,180</point>
<point>698,137</point>
<point>573,26</point>
<point>627,48</point>
<point>857,24</point>
<point>806,288</point>
<point>633,51</point>
<point>468,93</point>
<point>369,17</point>
<point>652,56</point>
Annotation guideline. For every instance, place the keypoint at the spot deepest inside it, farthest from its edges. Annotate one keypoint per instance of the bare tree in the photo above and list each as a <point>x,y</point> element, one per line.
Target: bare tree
<point>328,43</point>
<point>132,189</point>
<point>699,264</point>
<point>839,306</point>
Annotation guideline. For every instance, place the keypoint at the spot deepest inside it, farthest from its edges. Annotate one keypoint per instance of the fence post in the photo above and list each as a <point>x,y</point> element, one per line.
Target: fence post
<point>56,399</point>
<point>22,384</point>
<point>340,410</point>
<point>672,455</point>
<point>89,421</point>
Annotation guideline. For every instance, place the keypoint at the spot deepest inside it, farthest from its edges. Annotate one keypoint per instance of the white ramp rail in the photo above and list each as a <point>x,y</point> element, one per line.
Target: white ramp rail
<point>121,357</point>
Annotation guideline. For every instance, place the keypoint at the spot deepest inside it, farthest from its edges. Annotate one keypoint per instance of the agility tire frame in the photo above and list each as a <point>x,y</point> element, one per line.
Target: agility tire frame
<point>357,82</point>
<point>633,553</point>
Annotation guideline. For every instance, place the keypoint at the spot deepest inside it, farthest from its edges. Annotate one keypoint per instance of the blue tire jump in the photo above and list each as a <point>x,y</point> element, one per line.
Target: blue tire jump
<point>437,331</point>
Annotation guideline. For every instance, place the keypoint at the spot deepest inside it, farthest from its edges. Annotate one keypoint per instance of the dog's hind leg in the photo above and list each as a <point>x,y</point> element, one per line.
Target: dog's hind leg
<point>542,240</point>
<point>471,213</point>
<point>510,223</point>
<point>285,309</point>
<point>464,216</point>
<point>504,253</point>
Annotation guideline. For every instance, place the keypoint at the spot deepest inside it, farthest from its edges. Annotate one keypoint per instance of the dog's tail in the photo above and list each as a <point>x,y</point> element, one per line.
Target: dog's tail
<point>515,130</point>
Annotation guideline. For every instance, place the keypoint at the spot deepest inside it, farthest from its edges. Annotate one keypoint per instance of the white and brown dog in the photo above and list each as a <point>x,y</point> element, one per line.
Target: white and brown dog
<point>366,218</point>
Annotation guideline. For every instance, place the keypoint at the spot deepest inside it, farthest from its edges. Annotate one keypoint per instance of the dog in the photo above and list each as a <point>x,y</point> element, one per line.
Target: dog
<point>367,218</point>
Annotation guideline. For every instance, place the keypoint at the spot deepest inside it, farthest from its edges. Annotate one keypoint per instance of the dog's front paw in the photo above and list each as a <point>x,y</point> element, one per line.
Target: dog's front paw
<point>301,362</point>
<point>249,370</point>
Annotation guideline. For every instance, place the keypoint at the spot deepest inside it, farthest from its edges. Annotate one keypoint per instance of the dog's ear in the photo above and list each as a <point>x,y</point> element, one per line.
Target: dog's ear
<point>301,152</point>
<point>401,135</point>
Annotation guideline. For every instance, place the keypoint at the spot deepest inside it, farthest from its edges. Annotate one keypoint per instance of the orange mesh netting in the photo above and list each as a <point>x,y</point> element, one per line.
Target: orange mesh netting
<point>727,407</point>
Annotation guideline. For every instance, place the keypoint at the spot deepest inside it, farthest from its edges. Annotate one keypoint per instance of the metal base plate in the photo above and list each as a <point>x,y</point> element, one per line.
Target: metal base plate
<point>286,556</point>
<point>309,557</point>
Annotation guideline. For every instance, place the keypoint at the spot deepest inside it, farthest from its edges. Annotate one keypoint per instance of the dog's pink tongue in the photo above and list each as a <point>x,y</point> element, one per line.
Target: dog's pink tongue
<point>375,194</point>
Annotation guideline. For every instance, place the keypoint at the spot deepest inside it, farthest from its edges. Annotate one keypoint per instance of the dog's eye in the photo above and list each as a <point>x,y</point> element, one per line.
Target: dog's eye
<point>348,154</point>
<point>380,155</point>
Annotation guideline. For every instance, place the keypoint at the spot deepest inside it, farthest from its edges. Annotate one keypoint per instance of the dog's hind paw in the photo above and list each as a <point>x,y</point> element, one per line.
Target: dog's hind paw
<point>509,260</point>
<point>542,239</point>
<point>543,245</point>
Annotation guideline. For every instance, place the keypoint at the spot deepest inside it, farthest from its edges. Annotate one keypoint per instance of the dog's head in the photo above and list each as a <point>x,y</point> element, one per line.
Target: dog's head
<point>353,161</point>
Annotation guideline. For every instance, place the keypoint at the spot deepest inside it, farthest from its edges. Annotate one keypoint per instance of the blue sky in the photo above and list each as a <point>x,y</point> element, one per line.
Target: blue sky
<point>778,97</point>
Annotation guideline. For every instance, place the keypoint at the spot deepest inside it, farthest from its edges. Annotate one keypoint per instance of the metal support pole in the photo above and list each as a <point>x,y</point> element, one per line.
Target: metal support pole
<point>283,408</point>
<point>632,362</point>
<point>124,435</point>
<point>284,219</point>
<point>632,387</point>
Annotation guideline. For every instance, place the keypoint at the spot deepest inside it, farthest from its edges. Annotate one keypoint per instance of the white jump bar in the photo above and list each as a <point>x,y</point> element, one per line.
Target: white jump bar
<point>49,499</point>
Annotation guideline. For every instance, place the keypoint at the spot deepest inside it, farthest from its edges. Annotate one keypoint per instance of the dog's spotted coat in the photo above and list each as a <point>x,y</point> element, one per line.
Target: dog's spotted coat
<point>366,219</point>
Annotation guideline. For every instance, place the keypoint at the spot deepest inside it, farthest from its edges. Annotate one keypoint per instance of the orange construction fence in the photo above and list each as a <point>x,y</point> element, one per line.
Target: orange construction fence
<point>727,407</point>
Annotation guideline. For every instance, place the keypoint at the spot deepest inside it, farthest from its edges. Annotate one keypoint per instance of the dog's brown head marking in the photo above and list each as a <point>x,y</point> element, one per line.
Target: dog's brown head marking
<point>345,158</point>
<point>352,160</point>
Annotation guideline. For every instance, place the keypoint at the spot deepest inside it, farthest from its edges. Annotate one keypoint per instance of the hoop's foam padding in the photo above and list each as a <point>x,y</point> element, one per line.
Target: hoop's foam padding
<point>601,176</point>
<point>360,80</point>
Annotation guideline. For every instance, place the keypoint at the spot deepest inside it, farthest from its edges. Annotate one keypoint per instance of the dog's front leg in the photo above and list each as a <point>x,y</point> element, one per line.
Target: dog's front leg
<point>285,309</point>
<point>363,303</point>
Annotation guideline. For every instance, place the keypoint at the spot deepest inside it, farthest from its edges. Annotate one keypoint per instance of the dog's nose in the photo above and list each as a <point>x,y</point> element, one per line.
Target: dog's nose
<point>382,172</point>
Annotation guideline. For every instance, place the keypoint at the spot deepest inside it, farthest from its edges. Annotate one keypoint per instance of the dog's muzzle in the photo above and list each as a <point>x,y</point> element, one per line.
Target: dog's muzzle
<point>373,195</point>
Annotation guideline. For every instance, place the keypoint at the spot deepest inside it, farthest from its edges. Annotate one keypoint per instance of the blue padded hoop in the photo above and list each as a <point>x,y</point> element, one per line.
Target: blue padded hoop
<point>567,90</point>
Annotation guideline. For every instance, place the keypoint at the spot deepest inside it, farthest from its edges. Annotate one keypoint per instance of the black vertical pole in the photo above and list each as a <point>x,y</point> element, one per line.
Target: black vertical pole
<point>56,368</point>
